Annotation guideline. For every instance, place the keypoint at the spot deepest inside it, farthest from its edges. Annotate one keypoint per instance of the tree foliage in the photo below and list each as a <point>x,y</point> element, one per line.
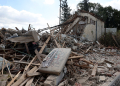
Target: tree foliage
<point>84,5</point>
<point>110,16</point>
<point>65,11</point>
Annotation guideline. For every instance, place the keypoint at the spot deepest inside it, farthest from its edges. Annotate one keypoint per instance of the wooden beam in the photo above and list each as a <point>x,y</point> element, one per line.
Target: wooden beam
<point>116,41</point>
<point>27,48</point>
<point>23,57</point>
<point>22,84</point>
<point>29,82</point>
<point>38,55</point>
<point>94,70</point>
<point>88,49</point>
<point>39,52</point>
<point>23,77</point>
<point>17,28</point>
<point>73,24</point>
<point>57,34</point>
<point>21,62</point>
<point>14,79</point>
<point>3,65</point>
<point>63,44</point>
<point>43,55</point>
<point>33,69</point>
<point>8,69</point>
<point>76,57</point>
<point>20,80</point>
<point>33,74</point>
<point>58,45</point>
<point>75,53</point>
<point>82,66</point>
<point>44,45</point>
<point>49,28</point>
<point>89,62</point>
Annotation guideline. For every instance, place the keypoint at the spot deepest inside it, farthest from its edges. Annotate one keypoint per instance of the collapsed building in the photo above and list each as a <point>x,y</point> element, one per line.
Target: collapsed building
<point>68,55</point>
<point>86,26</point>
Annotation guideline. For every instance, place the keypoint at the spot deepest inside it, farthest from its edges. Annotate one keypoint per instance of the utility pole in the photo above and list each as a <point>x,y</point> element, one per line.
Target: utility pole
<point>60,12</point>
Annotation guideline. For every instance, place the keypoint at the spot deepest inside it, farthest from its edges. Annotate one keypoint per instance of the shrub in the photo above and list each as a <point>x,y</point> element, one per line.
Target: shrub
<point>108,40</point>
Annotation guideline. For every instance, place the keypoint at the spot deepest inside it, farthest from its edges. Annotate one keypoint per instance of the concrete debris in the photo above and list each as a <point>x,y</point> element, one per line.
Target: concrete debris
<point>55,58</point>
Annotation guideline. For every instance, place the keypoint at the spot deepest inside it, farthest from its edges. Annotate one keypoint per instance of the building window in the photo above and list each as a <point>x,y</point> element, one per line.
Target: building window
<point>92,21</point>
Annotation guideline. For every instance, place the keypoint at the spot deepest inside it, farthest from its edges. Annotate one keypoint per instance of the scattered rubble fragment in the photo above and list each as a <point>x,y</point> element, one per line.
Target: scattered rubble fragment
<point>55,58</point>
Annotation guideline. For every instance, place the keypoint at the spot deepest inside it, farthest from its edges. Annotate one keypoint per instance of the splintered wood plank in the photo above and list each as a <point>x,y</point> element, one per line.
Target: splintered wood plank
<point>58,45</point>
<point>44,44</point>
<point>3,65</point>
<point>94,70</point>
<point>19,81</point>
<point>89,62</point>
<point>23,57</point>
<point>49,27</point>
<point>88,49</point>
<point>57,34</point>
<point>32,70</point>
<point>27,48</point>
<point>73,24</point>
<point>33,74</point>
<point>75,53</point>
<point>13,79</point>
<point>63,44</point>
<point>21,62</point>
<point>76,57</point>
<point>8,69</point>
<point>39,52</point>
<point>38,55</point>
<point>25,81</point>
<point>23,77</point>
<point>29,82</point>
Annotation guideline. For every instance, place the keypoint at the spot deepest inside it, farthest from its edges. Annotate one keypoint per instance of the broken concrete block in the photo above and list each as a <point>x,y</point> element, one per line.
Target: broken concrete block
<point>116,74</point>
<point>48,83</point>
<point>108,65</point>
<point>82,79</point>
<point>101,70</point>
<point>64,83</point>
<point>102,78</point>
<point>74,47</point>
<point>55,80</point>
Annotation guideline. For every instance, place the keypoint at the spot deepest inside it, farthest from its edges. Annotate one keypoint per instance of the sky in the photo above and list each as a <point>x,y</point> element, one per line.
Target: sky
<point>21,13</point>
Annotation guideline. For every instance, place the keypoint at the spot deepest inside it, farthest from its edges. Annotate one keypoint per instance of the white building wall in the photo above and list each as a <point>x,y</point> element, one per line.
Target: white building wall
<point>89,33</point>
<point>112,30</point>
<point>92,28</point>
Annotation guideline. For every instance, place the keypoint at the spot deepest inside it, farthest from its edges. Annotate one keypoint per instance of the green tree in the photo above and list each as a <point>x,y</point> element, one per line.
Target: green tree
<point>109,15</point>
<point>65,11</point>
<point>83,5</point>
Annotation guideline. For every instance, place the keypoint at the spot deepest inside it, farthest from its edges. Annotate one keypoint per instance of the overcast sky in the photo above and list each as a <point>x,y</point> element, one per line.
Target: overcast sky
<point>20,13</point>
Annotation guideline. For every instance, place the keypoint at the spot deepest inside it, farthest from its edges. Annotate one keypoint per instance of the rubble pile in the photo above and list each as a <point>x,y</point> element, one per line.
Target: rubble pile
<point>55,59</point>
